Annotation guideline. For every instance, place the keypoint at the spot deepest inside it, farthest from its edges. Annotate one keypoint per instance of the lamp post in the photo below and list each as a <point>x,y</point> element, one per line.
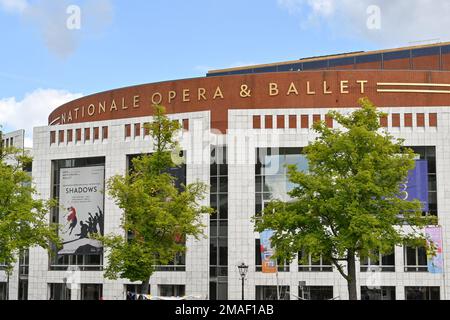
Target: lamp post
<point>243,269</point>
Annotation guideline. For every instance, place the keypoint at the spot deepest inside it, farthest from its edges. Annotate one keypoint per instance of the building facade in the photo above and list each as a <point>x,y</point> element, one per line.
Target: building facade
<point>240,127</point>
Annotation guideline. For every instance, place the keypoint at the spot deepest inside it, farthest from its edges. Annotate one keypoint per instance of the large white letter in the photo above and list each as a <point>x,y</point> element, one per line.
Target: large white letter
<point>74,19</point>
<point>374,17</point>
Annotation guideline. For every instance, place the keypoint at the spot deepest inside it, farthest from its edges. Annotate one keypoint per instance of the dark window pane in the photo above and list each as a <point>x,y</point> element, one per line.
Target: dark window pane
<point>222,292</point>
<point>223,184</point>
<point>213,228</point>
<point>213,290</point>
<point>223,206</point>
<point>213,251</point>
<point>368,58</point>
<point>213,201</point>
<point>422,293</point>
<point>323,64</point>
<point>388,260</point>
<point>265,69</point>
<point>422,253</point>
<point>223,251</point>
<point>290,67</point>
<point>411,256</point>
<point>223,228</point>
<point>223,169</point>
<point>342,62</point>
<point>258,259</point>
<point>213,170</point>
<point>213,185</point>
<point>425,52</point>
<point>396,55</point>
<point>258,184</point>
<point>383,293</point>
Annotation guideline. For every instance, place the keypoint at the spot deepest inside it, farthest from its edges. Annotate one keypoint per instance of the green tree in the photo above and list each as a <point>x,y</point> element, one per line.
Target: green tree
<point>156,214</point>
<point>346,205</point>
<point>23,216</point>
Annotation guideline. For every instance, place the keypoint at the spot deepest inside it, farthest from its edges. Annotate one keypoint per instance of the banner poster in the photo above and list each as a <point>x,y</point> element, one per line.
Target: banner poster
<point>269,265</point>
<point>436,261</point>
<point>81,198</point>
<point>417,184</point>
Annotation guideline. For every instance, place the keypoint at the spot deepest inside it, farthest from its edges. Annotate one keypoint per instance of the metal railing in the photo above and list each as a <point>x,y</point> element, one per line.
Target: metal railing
<point>378,268</point>
<point>170,268</point>
<point>315,268</point>
<point>61,267</point>
<point>416,268</point>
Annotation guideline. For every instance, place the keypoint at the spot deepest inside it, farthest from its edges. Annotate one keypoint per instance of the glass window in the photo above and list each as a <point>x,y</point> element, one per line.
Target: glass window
<point>422,293</point>
<point>223,251</point>
<point>290,67</point>
<point>223,206</point>
<point>384,263</point>
<point>271,174</point>
<point>3,289</point>
<point>131,291</point>
<point>396,55</point>
<point>222,291</point>
<point>265,69</point>
<point>381,293</point>
<point>171,290</point>
<point>319,265</point>
<point>315,293</point>
<point>223,184</point>
<point>218,224</point>
<point>271,293</point>
<point>342,62</point>
<point>445,49</point>
<point>321,64</point>
<point>91,291</point>
<point>245,71</point>
<point>213,290</point>
<point>425,52</point>
<point>429,153</point>
<point>223,169</point>
<point>258,258</point>
<point>416,259</point>
<point>59,291</point>
<point>368,58</point>
<point>23,289</point>
<point>213,251</point>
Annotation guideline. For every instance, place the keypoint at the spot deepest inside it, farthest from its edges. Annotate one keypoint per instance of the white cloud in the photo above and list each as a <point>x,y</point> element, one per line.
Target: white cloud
<point>402,21</point>
<point>33,110</point>
<point>14,5</point>
<point>50,18</point>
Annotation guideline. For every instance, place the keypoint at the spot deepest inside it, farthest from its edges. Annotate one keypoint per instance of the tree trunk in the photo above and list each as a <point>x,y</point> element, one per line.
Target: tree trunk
<point>144,286</point>
<point>351,281</point>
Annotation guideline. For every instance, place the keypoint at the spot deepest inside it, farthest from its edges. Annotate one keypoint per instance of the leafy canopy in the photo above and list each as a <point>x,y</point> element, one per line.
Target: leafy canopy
<point>347,202</point>
<point>23,216</point>
<point>157,215</point>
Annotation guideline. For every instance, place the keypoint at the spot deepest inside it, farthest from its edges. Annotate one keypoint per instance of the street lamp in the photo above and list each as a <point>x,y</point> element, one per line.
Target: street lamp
<point>243,269</point>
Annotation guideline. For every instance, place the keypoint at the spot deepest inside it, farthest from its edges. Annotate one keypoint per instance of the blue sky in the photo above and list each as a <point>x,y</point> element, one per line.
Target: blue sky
<point>122,43</point>
<point>160,40</point>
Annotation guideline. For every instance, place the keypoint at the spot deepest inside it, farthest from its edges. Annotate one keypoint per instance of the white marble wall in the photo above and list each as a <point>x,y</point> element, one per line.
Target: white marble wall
<point>115,149</point>
<point>242,201</point>
<point>241,141</point>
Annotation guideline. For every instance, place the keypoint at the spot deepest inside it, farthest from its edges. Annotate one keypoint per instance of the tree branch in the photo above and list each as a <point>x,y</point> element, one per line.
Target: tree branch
<point>339,267</point>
